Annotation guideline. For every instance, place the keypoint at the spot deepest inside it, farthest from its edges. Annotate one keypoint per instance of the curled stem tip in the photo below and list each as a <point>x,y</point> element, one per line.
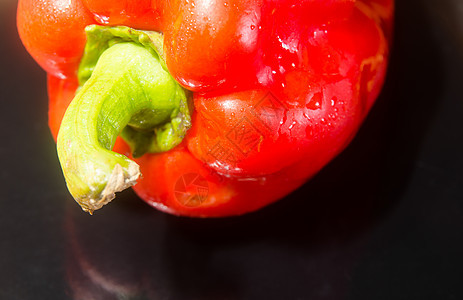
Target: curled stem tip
<point>127,90</point>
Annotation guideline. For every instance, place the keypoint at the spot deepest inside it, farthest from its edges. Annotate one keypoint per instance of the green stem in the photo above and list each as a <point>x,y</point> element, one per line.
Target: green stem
<point>128,91</point>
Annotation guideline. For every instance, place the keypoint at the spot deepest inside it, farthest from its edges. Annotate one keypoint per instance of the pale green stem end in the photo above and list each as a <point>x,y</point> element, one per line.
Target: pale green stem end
<point>129,91</point>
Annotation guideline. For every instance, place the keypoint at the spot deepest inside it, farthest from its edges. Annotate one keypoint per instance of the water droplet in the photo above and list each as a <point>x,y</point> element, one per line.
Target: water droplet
<point>333,101</point>
<point>292,125</point>
<point>253,27</point>
<point>315,102</point>
<point>102,19</point>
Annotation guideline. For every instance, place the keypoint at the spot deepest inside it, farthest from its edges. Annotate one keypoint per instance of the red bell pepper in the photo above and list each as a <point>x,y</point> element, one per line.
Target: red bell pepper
<point>224,106</point>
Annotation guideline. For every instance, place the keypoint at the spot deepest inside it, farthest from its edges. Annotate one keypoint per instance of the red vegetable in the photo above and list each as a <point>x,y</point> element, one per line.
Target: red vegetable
<point>279,88</point>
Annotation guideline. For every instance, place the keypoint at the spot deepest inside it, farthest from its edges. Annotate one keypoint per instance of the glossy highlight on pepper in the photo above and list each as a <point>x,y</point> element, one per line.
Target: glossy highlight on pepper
<point>262,94</point>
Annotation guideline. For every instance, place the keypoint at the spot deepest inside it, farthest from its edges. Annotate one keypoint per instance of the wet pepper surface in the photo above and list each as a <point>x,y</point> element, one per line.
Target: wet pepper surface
<point>223,106</point>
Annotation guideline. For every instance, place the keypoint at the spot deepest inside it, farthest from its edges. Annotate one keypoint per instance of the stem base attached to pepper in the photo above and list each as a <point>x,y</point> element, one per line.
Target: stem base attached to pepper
<point>129,88</point>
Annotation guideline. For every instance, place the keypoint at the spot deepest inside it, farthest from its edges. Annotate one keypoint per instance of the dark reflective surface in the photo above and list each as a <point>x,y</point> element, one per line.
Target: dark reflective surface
<point>383,221</point>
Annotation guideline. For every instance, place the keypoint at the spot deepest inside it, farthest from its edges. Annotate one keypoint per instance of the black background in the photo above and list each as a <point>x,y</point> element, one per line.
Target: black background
<point>382,221</point>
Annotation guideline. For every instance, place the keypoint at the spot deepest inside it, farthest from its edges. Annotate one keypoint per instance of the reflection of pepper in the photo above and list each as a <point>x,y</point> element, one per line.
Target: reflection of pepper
<point>278,89</point>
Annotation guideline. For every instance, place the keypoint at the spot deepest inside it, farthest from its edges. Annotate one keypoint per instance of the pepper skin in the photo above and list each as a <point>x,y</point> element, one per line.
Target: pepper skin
<point>279,88</point>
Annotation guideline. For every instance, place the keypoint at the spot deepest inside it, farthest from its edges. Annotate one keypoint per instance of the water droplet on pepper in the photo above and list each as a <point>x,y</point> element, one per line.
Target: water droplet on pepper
<point>315,102</point>
<point>333,101</point>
